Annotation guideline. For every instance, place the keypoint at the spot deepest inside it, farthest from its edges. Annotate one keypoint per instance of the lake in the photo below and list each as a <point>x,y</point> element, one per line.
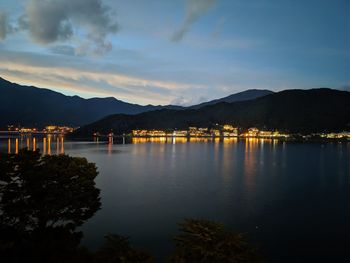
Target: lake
<point>292,200</point>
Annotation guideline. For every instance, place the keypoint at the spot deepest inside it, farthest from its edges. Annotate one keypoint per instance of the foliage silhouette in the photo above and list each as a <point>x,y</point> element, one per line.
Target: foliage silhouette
<point>42,202</point>
<point>118,249</point>
<point>209,242</point>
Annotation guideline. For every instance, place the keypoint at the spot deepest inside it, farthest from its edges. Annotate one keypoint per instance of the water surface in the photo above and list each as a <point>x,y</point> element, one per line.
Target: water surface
<point>291,199</point>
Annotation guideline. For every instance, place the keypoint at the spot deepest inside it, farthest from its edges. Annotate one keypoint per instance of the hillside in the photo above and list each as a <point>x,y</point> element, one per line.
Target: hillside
<point>291,110</point>
<point>240,96</point>
<point>31,106</point>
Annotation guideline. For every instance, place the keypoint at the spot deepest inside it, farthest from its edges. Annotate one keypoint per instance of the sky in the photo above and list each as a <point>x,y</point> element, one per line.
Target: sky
<point>179,52</point>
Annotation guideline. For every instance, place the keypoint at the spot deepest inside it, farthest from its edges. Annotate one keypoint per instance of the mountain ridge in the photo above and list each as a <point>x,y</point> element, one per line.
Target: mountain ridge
<point>33,106</point>
<point>295,110</point>
<point>240,96</point>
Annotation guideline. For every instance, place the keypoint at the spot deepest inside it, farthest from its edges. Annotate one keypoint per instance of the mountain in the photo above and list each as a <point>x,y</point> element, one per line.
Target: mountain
<point>31,106</point>
<point>312,110</point>
<point>241,96</point>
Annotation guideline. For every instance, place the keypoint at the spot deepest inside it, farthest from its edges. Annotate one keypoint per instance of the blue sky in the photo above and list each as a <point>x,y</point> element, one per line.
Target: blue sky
<point>177,51</point>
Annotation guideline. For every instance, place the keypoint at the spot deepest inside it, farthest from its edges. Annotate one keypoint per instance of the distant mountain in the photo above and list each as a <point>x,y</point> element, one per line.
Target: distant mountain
<point>30,106</point>
<point>313,110</point>
<point>241,96</point>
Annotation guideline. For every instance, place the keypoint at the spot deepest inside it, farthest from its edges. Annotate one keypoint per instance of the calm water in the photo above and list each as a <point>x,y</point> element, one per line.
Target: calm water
<point>291,199</point>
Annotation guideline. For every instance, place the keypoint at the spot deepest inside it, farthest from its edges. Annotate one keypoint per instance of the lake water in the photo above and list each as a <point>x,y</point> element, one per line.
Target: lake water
<point>291,199</point>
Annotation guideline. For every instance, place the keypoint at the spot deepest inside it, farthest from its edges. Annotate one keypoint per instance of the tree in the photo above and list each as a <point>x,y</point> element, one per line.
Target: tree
<point>205,241</point>
<point>42,201</point>
<point>117,249</point>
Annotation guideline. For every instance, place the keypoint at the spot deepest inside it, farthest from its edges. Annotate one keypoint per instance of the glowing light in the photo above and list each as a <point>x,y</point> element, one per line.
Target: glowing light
<point>34,144</point>
<point>16,149</point>
<point>9,146</point>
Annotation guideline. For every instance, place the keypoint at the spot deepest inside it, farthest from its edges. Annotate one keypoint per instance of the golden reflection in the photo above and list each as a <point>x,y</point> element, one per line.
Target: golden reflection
<point>34,144</point>
<point>58,146</point>
<point>44,146</point>
<point>230,140</point>
<point>28,143</point>
<point>181,139</point>
<point>16,149</point>
<point>49,145</point>
<point>199,139</point>
<point>9,146</point>
<point>158,139</point>
<point>138,140</point>
<point>250,161</point>
<point>62,145</point>
<point>176,140</point>
<point>110,146</point>
<point>31,144</point>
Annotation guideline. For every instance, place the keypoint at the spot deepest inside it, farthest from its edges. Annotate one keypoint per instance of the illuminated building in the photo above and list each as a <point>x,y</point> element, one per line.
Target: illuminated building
<point>156,133</point>
<point>27,130</point>
<point>339,135</point>
<point>252,132</point>
<point>139,132</point>
<point>215,132</point>
<point>265,134</point>
<point>192,131</point>
<point>58,129</point>
<point>229,131</point>
<point>228,127</point>
<point>180,133</point>
<point>51,128</point>
<point>279,135</point>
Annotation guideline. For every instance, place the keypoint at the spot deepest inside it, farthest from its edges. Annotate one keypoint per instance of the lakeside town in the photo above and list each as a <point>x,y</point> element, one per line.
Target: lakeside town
<point>231,131</point>
<point>47,129</point>
<point>226,131</point>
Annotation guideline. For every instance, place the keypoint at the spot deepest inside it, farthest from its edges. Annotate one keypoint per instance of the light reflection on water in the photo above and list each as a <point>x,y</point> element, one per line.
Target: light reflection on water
<point>55,144</point>
<point>284,196</point>
<point>44,144</point>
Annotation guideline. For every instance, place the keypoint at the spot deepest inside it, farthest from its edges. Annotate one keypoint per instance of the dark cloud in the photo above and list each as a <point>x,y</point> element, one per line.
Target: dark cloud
<point>5,27</point>
<point>194,10</point>
<point>49,21</point>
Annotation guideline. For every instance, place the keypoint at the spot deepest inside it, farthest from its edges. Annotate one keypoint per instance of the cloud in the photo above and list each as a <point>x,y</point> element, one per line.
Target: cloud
<point>185,101</point>
<point>50,21</point>
<point>5,27</point>
<point>194,10</point>
<point>81,76</point>
<point>63,50</point>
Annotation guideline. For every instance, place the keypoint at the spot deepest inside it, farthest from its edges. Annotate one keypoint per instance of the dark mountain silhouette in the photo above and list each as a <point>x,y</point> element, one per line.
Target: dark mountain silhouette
<point>241,96</point>
<point>33,106</point>
<point>313,110</point>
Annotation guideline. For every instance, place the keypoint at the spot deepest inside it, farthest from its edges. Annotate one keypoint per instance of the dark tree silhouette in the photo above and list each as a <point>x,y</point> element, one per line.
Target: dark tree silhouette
<point>117,249</point>
<point>42,201</point>
<point>209,242</point>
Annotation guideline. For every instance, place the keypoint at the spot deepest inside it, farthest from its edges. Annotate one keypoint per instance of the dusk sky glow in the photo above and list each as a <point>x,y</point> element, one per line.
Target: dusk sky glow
<point>174,52</point>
